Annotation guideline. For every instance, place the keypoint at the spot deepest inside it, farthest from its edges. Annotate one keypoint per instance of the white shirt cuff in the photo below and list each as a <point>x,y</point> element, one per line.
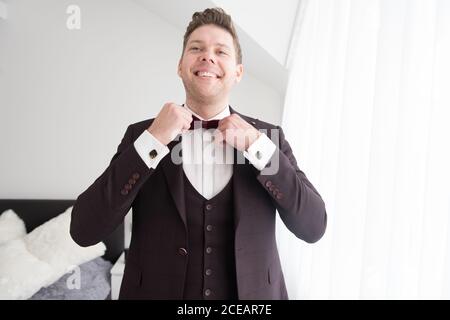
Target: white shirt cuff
<point>260,152</point>
<point>150,149</point>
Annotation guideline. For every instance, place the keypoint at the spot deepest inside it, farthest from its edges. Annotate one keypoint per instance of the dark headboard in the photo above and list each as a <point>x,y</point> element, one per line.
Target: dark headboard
<point>36,212</point>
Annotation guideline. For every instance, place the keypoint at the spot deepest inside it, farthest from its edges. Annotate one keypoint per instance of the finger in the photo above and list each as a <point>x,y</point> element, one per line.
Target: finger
<point>231,123</point>
<point>223,125</point>
<point>186,116</point>
<point>235,117</point>
<point>224,120</point>
<point>186,125</point>
<point>236,121</point>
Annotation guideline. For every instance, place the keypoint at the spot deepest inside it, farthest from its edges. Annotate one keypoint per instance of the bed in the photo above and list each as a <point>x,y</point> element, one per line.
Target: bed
<point>35,213</point>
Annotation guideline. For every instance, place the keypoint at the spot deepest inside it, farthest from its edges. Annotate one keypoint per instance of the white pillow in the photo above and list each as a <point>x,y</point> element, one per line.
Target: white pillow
<point>11,226</point>
<point>21,273</point>
<point>51,242</point>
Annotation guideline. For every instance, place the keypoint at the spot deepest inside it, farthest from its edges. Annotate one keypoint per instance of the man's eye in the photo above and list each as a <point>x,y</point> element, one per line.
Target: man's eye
<point>194,49</point>
<point>222,52</point>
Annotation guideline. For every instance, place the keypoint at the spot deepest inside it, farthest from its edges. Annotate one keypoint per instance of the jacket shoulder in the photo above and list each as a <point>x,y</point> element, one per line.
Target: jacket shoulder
<point>144,124</point>
<point>138,127</point>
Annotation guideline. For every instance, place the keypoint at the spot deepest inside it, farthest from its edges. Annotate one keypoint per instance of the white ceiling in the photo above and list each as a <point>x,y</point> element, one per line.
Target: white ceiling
<point>264,28</point>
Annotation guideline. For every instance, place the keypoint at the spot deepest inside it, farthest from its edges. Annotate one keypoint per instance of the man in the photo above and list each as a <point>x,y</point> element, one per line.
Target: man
<point>202,228</point>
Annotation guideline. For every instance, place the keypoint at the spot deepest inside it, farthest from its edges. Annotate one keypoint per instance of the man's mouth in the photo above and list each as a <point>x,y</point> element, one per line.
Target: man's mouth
<point>206,74</point>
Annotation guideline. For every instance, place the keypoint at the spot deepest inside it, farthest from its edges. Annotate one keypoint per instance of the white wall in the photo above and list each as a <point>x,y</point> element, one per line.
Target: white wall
<point>3,10</point>
<point>270,23</point>
<point>66,97</point>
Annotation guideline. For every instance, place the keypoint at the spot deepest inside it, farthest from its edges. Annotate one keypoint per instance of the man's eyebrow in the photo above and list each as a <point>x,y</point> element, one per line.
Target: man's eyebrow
<point>222,45</point>
<point>201,42</point>
<point>194,41</point>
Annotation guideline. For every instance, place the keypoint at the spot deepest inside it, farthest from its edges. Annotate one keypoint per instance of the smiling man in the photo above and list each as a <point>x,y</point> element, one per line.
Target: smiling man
<point>203,228</point>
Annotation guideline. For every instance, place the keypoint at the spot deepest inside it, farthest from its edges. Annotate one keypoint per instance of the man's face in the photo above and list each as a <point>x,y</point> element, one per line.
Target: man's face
<point>208,66</point>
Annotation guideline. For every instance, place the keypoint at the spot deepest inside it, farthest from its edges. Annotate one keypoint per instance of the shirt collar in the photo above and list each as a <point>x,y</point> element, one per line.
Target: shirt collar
<point>224,113</point>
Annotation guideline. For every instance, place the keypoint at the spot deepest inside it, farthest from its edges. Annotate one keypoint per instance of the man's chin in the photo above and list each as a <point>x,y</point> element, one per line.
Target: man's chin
<point>208,95</point>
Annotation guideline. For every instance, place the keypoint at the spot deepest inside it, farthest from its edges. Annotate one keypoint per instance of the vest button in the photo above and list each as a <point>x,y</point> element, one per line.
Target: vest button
<point>209,227</point>
<point>208,272</point>
<point>209,206</point>
<point>208,250</point>
<point>207,292</point>
<point>182,251</point>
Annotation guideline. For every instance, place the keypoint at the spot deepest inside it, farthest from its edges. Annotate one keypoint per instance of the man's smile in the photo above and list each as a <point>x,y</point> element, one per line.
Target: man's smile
<point>207,73</point>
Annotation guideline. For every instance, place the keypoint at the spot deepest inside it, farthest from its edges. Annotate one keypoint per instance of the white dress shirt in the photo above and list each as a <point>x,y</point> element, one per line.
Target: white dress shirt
<point>207,165</point>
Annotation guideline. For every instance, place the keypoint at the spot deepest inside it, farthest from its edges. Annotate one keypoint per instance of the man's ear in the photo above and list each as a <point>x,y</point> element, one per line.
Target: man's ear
<point>179,68</point>
<point>239,72</point>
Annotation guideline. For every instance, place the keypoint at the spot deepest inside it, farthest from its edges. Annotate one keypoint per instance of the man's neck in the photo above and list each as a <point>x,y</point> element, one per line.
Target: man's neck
<point>205,110</point>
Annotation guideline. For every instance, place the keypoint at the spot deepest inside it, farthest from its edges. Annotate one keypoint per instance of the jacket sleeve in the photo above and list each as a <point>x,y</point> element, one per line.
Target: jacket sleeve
<point>299,204</point>
<point>100,209</point>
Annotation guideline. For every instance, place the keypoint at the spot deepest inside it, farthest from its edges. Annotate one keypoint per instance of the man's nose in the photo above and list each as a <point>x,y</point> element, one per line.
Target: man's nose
<point>208,56</point>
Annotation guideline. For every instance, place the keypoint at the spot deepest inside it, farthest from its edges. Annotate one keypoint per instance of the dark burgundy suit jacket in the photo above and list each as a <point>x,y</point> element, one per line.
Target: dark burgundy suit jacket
<point>156,264</point>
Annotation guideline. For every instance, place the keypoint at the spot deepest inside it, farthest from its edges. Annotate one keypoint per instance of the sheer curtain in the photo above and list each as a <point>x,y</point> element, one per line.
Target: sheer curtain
<point>367,113</point>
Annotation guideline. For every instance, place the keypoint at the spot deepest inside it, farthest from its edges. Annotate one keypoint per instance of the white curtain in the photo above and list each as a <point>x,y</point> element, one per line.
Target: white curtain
<point>367,113</point>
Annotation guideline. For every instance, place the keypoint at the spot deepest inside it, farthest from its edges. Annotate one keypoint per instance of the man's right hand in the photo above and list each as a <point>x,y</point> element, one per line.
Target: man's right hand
<point>170,121</point>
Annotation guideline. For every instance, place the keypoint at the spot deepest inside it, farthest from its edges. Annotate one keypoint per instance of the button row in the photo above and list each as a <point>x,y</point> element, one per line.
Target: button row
<point>131,182</point>
<point>183,251</point>
<point>209,228</point>
<point>275,191</point>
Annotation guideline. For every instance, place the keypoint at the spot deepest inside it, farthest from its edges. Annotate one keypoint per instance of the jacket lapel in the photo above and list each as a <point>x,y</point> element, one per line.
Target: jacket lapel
<point>175,181</point>
<point>243,178</point>
<point>240,189</point>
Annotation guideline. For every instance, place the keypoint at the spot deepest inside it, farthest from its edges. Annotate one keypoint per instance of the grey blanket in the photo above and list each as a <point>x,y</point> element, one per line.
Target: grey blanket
<point>95,284</point>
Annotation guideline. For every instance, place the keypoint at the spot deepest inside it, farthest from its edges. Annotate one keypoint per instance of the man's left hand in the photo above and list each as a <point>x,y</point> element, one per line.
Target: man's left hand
<point>236,132</point>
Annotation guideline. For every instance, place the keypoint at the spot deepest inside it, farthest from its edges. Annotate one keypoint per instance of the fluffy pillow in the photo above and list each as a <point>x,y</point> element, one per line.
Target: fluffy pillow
<point>21,273</point>
<point>51,242</point>
<point>11,226</point>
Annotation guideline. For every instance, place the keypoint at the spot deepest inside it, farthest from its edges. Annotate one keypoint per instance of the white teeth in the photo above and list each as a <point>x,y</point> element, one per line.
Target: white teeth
<point>206,74</point>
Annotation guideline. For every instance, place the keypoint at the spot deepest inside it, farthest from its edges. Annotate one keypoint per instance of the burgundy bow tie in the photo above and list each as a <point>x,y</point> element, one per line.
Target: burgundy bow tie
<point>205,124</point>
